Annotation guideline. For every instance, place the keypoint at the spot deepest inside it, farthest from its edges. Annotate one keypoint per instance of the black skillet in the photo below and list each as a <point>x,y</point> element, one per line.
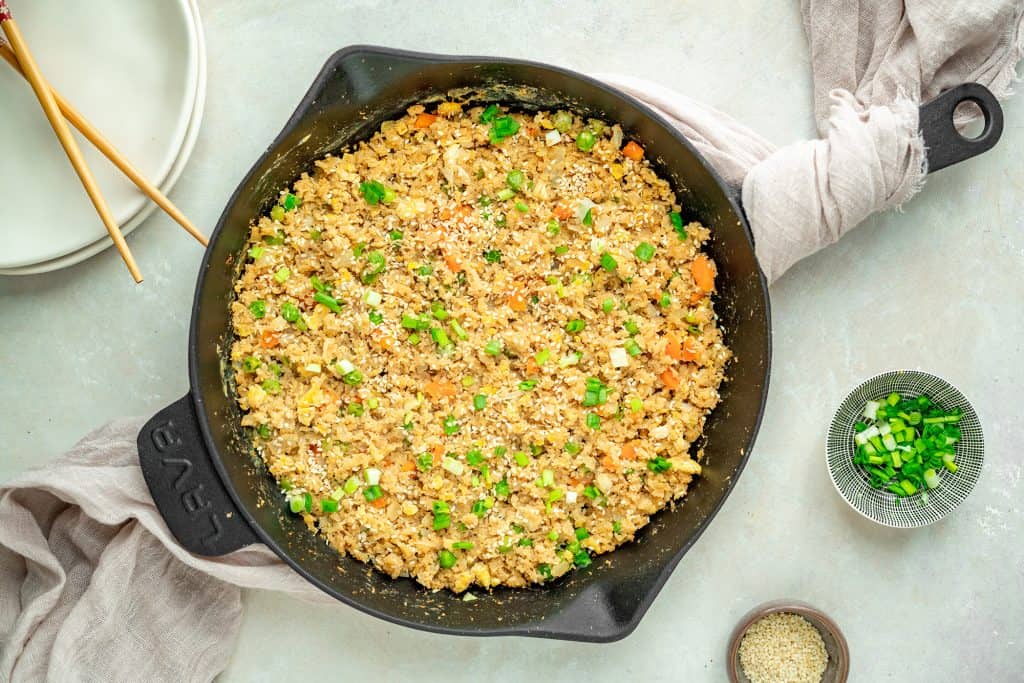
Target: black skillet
<point>214,492</point>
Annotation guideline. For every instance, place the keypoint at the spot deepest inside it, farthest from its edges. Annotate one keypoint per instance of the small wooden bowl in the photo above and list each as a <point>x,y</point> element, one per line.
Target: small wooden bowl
<point>838,668</point>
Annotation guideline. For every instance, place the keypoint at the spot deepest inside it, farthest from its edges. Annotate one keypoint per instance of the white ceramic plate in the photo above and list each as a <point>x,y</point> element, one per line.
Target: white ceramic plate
<point>149,207</point>
<point>132,69</point>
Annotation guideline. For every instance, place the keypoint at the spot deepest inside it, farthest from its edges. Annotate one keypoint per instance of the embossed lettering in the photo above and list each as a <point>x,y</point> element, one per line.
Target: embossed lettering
<point>193,500</point>
<point>186,470</point>
<point>165,436</point>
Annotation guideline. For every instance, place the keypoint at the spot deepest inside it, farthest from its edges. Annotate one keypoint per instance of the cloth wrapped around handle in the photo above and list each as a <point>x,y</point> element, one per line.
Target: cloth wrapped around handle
<point>805,196</point>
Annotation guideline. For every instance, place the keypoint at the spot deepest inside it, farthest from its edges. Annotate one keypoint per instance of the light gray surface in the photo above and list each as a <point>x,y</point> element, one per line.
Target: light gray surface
<point>939,287</point>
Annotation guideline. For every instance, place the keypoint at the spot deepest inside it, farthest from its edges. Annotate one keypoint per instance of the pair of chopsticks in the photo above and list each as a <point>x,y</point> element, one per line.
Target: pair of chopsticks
<point>57,109</point>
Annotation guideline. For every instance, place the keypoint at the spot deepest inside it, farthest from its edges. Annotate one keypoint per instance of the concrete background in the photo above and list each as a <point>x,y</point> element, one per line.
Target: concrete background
<point>938,287</point>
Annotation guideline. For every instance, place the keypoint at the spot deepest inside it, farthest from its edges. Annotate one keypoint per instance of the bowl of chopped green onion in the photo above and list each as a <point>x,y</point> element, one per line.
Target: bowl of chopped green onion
<point>905,448</point>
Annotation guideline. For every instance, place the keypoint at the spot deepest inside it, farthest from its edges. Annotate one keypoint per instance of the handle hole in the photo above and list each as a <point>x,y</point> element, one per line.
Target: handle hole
<point>970,120</point>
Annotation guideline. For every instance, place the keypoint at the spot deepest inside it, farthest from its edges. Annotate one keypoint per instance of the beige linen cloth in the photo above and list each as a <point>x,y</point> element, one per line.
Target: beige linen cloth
<point>94,587</point>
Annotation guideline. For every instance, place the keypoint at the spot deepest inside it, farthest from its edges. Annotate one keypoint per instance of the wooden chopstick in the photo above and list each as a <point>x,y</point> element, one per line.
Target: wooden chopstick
<point>93,135</point>
<point>67,141</point>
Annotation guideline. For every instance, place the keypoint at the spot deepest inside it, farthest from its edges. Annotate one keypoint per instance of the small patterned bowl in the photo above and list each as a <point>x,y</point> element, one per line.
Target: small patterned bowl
<point>882,506</point>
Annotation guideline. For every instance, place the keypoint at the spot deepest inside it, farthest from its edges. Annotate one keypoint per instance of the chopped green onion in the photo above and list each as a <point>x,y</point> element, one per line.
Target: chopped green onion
<point>282,274</point>
<point>521,458</point>
<point>593,420</point>
<point>493,348</point>
<point>451,425</point>
<point>256,252</point>
<point>553,227</point>
<point>588,217</point>
<point>522,207</point>
<point>375,193</point>
<point>437,310</point>
<point>264,431</point>
<point>586,140</point>
<point>561,250</point>
<point>258,309</point>
<point>375,316</point>
<point>528,385</point>
<point>251,364</point>
<point>328,505</point>
<point>396,235</point>
<point>608,305</point>
<point>502,488</point>
<point>582,534</point>
<point>440,338</point>
<point>490,113</point>
<point>541,357</point>
<point>572,448</point>
<point>632,348</point>
<point>677,224</point>
<point>616,527</point>
<point>414,339</point>
<point>636,405</point>
<point>562,120</point>
<point>575,326</point>
<point>277,213</point>
<point>271,385</point>
<point>666,300</point>
<point>492,256</point>
<point>502,128</point>
<point>515,180</point>
<point>608,262</point>
<point>462,545</point>
<point>644,251</point>
<point>631,327</point>
<point>355,409</point>
<point>446,559</point>
<point>424,461</point>
<point>591,492</point>
<point>479,402</point>
<point>659,465</point>
<point>372,492</point>
<point>290,202</point>
<point>458,330</point>
<point>505,194</point>
<point>328,301</point>
<point>351,484</point>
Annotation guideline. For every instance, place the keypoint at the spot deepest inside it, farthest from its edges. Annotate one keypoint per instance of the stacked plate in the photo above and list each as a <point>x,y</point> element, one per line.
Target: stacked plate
<point>136,71</point>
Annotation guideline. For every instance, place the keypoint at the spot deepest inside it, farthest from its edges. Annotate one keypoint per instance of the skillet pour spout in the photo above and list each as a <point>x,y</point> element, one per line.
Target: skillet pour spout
<point>211,486</point>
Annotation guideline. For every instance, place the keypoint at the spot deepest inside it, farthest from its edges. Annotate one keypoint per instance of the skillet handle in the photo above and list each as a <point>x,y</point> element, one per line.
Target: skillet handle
<point>944,144</point>
<point>186,488</point>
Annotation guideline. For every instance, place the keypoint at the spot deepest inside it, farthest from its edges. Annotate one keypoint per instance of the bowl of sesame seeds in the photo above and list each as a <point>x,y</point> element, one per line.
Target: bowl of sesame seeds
<point>787,641</point>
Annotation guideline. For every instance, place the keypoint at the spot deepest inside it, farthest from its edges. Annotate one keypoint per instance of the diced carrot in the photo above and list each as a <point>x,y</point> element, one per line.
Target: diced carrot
<point>689,350</point>
<point>516,301</point>
<point>424,120</point>
<point>562,212</point>
<point>696,297</point>
<point>461,211</point>
<point>628,452</point>
<point>703,272</point>
<point>609,463</point>
<point>670,378</point>
<point>269,339</point>
<point>453,263</point>
<point>439,388</point>
<point>573,482</point>
<point>633,151</point>
<point>673,350</point>
<point>531,131</point>
<point>531,366</point>
<point>380,502</point>
<point>438,453</point>
<point>407,466</point>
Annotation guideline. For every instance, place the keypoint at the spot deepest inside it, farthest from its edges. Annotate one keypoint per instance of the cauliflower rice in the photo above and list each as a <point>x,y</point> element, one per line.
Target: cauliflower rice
<point>478,347</point>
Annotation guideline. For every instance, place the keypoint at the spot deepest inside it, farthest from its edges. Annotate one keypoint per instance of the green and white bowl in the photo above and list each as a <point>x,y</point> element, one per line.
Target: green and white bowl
<point>883,506</point>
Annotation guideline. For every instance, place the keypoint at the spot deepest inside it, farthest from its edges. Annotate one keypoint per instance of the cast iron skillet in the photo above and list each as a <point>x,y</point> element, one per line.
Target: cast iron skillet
<point>213,490</point>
